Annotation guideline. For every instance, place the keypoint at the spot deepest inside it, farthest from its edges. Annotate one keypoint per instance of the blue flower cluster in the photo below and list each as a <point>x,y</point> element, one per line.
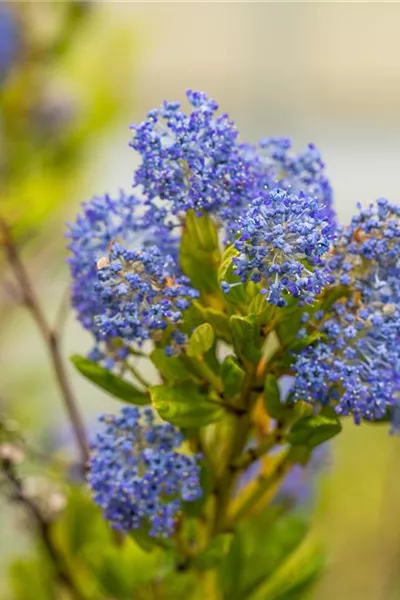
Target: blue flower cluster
<point>92,237</point>
<point>282,240</point>
<point>103,220</point>
<point>193,161</point>
<point>188,161</point>
<point>138,474</point>
<point>357,365</point>
<point>140,294</point>
<point>273,163</point>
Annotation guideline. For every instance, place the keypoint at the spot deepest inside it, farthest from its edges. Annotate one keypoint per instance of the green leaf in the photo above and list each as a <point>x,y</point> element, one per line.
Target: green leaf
<point>272,398</point>
<point>114,385</point>
<point>215,553</point>
<point>289,324</point>
<point>260,308</point>
<point>246,337</point>
<point>270,548</point>
<point>237,294</point>
<point>112,567</point>
<point>31,579</point>
<point>184,405</point>
<point>217,319</point>
<point>313,430</point>
<point>201,340</point>
<point>232,377</point>
<point>295,575</point>
<point>231,571</point>
<point>170,367</point>
<point>199,252</point>
<point>81,522</point>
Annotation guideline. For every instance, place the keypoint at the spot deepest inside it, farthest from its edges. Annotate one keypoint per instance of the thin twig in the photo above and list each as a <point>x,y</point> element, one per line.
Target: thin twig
<point>43,526</point>
<point>62,313</point>
<point>51,337</point>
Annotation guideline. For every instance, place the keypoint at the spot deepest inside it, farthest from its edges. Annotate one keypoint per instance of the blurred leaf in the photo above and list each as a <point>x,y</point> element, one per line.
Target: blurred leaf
<point>289,323</point>
<point>246,337</point>
<point>184,405</point>
<point>201,340</point>
<point>231,571</point>
<point>270,550</point>
<point>199,252</point>
<point>295,576</point>
<point>81,523</point>
<point>119,569</point>
<point>148,543</point>
<point>313,430</point>
<point>232,376</point>
<point>31,579</point>
<point>217,319</point>
<point>272,398</point>
<point>215,553</point>
<point>170,367</point>
<point>114,385</point>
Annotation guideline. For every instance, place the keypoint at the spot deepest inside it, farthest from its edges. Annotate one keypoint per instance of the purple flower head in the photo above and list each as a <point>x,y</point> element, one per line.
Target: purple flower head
<point>138,473</point>
<point>282,241</point>
<point>303,172</point>
<point>140,294</point>
<point>103,221</point>
<point>273,164</point>
<point>189,161</point>
<point>357,365</point>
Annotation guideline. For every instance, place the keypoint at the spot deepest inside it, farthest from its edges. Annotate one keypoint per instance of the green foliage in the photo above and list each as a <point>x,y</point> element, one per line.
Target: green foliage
<point>199,252</point>
<point>215,553</point>
<point>272,398</point>
<point>114,385</point>
<point>172,368</point>
<point>311,431</point>
<point>267,558</point>
<point>218,320</point>
<point>185,405</point>
<point>246,337</point>
<point>201,340</point>
<point>232,376</point>
<point>31,578</point>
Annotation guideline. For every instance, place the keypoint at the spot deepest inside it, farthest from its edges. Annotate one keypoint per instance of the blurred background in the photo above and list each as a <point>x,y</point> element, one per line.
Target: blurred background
<point>327,73</point>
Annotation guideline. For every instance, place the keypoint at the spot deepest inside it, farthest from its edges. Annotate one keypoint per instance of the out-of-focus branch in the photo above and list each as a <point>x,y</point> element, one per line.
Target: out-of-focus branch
<point>43,527</point>
<point>50,335</point>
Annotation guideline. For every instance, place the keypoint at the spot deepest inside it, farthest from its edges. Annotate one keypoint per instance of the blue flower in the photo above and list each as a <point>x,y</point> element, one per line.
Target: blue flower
<point>303,172</point>
<point>367,252</point>
<point>357,365</point>
<point>138,473</point>
<point>282,240</point>
<point>189,161</point>
<point>272,163</point>
<point>103,221</point>
<point>141,293</point>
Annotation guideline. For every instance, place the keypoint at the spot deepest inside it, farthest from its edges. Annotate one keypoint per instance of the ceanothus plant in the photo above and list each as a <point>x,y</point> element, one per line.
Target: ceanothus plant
<point>239,324</point>
<point>226,269</point>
